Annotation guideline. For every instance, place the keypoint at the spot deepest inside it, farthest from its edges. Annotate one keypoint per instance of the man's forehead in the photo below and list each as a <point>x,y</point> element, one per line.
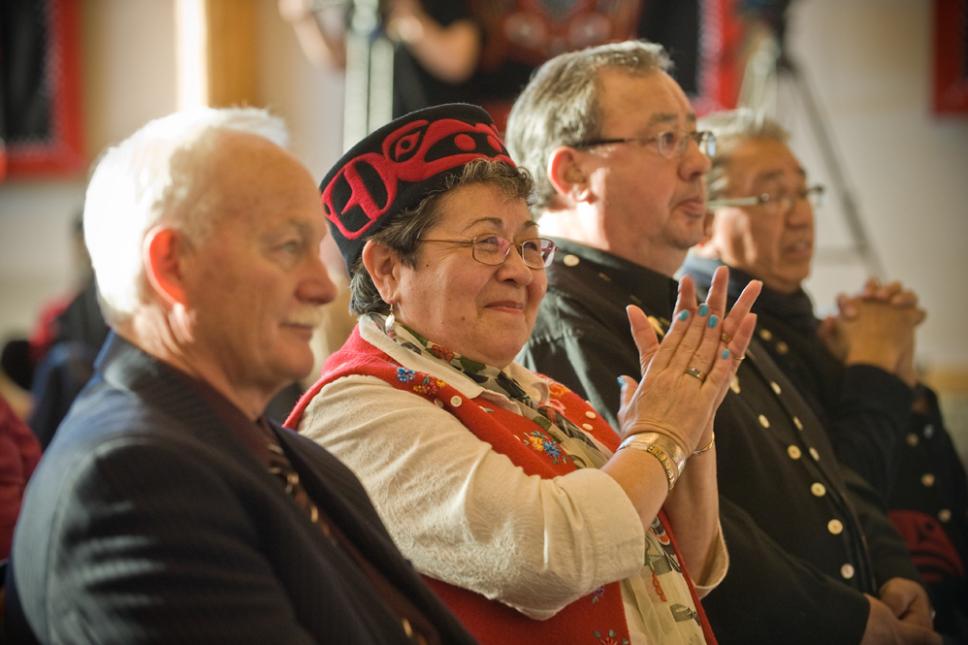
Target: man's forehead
<point>652,98</point>
<point>766,160</point>
<point>670,118</point>
<point>774,174</point>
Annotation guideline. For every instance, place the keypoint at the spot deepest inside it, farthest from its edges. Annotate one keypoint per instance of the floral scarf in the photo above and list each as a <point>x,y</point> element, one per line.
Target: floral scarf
<point>573,443</point>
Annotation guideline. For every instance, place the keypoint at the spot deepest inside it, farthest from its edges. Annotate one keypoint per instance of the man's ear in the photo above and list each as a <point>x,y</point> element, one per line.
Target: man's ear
<point>164,255</point>
<point>383,264</point>
<point>567,176</point>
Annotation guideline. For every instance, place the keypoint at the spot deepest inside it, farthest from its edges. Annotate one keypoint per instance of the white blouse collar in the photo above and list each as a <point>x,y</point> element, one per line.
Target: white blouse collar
<point>534,386</point>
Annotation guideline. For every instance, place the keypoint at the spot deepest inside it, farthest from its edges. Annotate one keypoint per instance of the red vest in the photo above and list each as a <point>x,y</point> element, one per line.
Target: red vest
<point>596,618</point>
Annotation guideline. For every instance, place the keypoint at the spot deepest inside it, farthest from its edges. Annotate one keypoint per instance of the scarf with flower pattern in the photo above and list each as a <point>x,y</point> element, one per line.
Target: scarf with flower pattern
<point>581,450</point>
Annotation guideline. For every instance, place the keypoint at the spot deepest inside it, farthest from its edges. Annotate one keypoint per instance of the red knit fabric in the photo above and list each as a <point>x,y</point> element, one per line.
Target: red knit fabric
<point>596,618</point>
<point>19,454</point>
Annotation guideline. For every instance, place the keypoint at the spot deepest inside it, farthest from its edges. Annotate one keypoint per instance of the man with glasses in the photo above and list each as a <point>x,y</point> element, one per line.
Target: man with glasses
<point>857,371</point>
<point>618,164</point>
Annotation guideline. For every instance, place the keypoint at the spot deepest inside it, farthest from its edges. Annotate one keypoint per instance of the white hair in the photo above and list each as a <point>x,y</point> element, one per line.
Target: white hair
<point>158,174</point>
<point>731,128</point>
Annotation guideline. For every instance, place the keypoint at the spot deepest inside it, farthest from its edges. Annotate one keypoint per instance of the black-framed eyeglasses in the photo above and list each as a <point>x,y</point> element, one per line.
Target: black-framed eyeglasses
<point>669,144</point>
<point>782,201</point>
<point>493,250</point>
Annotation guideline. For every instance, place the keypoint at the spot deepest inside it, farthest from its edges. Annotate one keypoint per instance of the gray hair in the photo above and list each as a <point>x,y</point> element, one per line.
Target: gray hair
<point>731,128</point>
<point>403,234</point>
<point>157,175</point>
<point>560,106</point>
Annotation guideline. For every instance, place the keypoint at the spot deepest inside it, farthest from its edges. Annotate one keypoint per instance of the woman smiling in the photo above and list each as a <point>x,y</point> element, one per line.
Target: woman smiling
<point>532,518</point>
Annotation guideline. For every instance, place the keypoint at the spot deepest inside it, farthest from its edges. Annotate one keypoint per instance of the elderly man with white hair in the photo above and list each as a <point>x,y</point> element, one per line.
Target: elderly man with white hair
<point>167,509</point>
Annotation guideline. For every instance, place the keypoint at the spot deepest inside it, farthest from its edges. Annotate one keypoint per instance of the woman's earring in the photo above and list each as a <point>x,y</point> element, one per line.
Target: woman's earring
<point>390,321</point>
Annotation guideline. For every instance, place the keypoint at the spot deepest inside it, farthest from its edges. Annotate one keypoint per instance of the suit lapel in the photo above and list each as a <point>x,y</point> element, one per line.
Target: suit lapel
<point>338,493</point>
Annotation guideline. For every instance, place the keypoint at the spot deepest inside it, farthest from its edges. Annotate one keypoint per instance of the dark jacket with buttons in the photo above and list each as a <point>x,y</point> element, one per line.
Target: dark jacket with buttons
<point>803,549</point>
<point>907,455</point>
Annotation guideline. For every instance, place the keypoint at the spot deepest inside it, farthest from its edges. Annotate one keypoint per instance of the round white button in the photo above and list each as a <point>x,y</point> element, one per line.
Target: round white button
<point>847,571</point>
<point>836,527</point>
<point>571,260</point>
<point>456,401</point>
<point>782,347</point>
<point>775,387</point>
<point>814,454</point>
<point>589,414</point>
<point>587,426</point>
<point>766,335</point>
<point>818,489</point>
<point>794,452</point>
<point>944,515</point>
<point>927,480</point>
<point>912,439</point>
<point>764,421</point>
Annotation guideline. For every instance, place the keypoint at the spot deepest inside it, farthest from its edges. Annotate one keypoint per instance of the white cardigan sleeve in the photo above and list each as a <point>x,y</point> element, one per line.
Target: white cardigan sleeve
<point>465,514</point>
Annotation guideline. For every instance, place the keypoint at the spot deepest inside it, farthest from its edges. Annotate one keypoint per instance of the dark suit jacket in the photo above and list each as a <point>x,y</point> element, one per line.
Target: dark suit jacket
<point>149,521</point>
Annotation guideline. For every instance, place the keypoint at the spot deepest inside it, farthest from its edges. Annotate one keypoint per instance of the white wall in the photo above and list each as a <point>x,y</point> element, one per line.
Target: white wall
<point>869,61</point>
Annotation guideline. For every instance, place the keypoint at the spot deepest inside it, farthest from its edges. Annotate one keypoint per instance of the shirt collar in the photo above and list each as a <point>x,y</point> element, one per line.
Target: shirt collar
<point>654,292</point>
<point>796,309</point>
<point>533,385</point>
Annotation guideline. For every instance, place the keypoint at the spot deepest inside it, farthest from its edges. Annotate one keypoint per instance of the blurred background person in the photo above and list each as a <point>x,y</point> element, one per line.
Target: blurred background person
<point>484,51</point>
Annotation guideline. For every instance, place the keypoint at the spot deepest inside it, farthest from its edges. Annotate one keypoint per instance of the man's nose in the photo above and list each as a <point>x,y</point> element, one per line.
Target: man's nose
<point>694,162</point>
<point>317,287</point>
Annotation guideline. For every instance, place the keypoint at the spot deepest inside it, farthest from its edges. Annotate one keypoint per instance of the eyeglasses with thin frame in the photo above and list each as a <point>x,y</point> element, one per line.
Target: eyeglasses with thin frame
<point>669,144</point>
<point>782,201</point>
<point>493,250</point>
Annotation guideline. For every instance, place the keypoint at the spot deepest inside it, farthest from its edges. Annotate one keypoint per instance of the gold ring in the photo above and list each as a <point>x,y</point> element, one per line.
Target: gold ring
<point>725,338</point>
<point>739,358</point>
<point>695,373</point>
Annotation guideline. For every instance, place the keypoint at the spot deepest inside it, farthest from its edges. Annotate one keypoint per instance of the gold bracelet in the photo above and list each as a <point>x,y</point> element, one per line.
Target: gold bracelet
<point>707,447</point>
<point>664,449</point>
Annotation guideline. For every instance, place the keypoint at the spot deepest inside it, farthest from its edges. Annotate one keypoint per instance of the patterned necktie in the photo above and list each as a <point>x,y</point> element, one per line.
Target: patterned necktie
<point>414,624</point>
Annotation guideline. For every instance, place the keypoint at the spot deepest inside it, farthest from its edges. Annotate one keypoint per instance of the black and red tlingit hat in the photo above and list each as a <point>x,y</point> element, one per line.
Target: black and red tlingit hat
<point>398,165</point>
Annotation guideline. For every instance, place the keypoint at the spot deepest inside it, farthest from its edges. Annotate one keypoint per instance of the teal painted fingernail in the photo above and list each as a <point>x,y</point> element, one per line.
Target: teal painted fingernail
<point>713,321</point>
<point>683,314</point>
<point>725,353</point>
<point>703,309</point>
<point>621,381</point>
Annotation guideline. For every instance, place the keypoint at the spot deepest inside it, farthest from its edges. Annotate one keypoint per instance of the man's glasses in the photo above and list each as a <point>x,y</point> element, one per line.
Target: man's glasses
<point>670,144</point>
<point>537,252</point>
<point>783,201</point>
